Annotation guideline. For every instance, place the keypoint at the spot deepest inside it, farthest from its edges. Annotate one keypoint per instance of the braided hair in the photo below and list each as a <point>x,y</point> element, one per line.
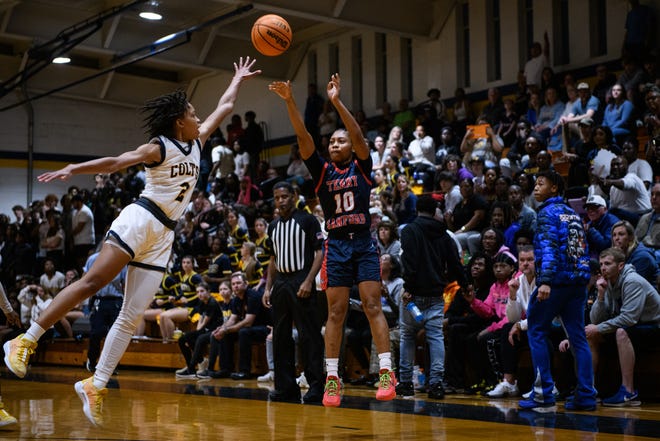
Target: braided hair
<point>161,113</point>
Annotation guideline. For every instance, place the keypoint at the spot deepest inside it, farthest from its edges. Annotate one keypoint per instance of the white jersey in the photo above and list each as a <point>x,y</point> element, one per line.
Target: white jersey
<point>170,183</point>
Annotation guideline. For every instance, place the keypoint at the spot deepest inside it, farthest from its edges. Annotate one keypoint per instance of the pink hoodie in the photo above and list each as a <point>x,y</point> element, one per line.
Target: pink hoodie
<point>495,304</point>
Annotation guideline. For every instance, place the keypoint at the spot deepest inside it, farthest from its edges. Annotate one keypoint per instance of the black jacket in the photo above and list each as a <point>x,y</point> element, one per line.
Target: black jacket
<point>430,258</point>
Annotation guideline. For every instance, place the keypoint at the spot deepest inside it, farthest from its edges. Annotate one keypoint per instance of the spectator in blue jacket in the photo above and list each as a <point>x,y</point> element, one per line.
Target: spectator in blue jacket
<point>562,268</point>
<point>618,113</point>
<point>599,226</point>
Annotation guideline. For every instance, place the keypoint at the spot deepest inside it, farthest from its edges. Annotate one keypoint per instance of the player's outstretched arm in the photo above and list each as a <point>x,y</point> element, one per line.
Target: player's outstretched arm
<point>305,141</point>
<point>146,153</point>
<point>242,71</point>
<point>354,131</point>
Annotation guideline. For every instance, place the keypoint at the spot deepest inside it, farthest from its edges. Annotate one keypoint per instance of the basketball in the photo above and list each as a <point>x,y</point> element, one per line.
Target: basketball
<point>271,35</point>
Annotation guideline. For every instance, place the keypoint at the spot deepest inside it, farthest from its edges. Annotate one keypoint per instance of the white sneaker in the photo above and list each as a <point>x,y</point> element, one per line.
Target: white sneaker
<point>203,365</point>
<point>268,377</point>
<point>183,370</point>
<point>527,395</point>
<point>504,389</point>
<point>302,381</point>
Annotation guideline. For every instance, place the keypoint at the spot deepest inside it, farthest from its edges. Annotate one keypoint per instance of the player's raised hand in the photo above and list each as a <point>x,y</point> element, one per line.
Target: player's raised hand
<point>243,68</point>
<point>334,87</point>
<point>62,174</point>
<point>281,88</point>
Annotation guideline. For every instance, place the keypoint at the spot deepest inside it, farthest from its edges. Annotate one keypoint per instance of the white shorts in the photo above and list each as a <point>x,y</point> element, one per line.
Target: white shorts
<point>143,237</point>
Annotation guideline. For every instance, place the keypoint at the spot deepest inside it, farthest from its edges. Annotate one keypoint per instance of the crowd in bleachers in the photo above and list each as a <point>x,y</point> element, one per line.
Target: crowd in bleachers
<point>480,169</point>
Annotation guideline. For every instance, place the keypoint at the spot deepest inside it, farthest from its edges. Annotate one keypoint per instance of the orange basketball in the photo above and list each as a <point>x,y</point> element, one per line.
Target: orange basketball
<point>271,35</point>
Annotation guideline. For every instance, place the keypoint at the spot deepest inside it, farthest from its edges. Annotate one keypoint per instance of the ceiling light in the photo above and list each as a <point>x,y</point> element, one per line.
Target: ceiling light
<point>150,11</point>
<point>62,60</point>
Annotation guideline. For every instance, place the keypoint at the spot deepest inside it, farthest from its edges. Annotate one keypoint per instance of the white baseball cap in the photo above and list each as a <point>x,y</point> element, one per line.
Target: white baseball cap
<point>596,200</point>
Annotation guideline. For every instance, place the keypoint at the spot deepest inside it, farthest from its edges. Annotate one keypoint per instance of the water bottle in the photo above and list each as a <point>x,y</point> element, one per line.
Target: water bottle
<point>415,311</point>
<point>421,377</point>
<point>415,377</point>
<point>465,258</point>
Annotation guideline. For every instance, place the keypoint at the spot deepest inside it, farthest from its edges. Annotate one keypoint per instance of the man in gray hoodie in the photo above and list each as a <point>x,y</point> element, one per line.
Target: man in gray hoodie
<point>628,308</point>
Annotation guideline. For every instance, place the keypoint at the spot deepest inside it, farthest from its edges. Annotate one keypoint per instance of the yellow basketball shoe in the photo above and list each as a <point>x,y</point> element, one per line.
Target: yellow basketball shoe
<point>5,418</point>
<point>17,354</point>
<point>92,399</point>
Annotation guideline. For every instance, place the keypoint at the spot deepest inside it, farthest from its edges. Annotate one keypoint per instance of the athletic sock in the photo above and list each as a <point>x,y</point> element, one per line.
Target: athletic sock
<point>34,333</point>
<point>332,367</point>
<point>385,360</point>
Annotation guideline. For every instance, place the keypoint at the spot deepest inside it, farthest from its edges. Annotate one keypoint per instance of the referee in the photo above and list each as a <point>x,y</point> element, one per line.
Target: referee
<point>296,243</point>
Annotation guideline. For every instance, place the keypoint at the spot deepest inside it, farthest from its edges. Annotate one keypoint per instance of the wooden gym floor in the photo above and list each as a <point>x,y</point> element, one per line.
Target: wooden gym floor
<point>152,405</point>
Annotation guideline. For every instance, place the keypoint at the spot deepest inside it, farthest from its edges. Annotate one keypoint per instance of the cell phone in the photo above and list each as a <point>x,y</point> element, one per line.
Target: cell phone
<point>479,130</point>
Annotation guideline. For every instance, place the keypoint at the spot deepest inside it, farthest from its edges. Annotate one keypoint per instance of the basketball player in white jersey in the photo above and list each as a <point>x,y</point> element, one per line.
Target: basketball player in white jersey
<point>142,234</point>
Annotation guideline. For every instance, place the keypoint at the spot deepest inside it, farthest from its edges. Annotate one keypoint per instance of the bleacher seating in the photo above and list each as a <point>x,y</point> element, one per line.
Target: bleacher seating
<point>142,353</point>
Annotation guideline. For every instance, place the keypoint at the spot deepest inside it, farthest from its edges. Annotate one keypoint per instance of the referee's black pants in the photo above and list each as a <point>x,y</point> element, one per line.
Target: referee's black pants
<point>288,310</point>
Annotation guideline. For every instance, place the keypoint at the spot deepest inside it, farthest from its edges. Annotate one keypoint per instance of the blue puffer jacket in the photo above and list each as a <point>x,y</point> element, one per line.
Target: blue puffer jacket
<point>560,246</point>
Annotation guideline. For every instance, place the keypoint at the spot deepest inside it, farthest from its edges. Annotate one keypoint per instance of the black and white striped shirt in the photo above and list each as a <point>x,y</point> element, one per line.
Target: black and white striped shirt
<point>295,240</point>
